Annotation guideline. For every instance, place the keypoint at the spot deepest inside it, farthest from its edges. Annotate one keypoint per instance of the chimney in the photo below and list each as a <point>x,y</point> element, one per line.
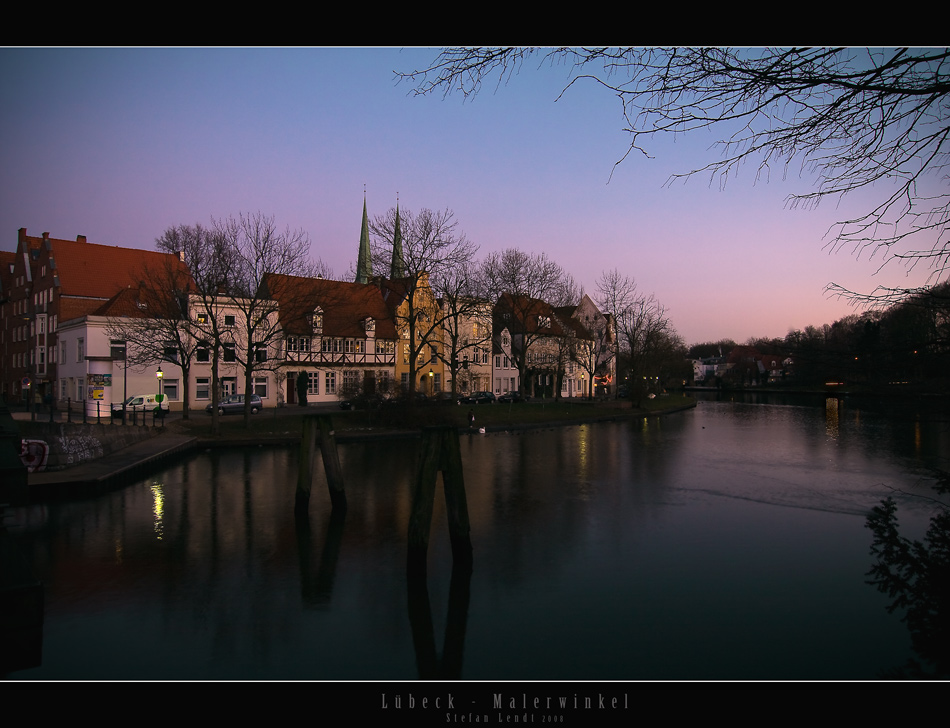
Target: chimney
<point>80,238</point>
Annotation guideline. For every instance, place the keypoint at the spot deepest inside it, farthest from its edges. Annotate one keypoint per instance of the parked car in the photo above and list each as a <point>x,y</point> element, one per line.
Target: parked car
<point>140,403</point>
<point>235,403</point>
<point>512,397</point>
<point>479,398</point>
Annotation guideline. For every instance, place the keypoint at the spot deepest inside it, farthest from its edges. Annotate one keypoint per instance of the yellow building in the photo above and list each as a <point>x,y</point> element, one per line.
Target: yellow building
<point>418,319</point>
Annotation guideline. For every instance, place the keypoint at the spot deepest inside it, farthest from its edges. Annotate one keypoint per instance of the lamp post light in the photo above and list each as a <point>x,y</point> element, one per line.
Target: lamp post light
<point>159,374</point>
<point>431,382</point>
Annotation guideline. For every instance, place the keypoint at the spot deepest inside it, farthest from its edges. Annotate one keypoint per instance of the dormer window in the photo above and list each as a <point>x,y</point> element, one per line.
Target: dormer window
<point>544,322</point>
<point>369,324</point>
<point>315,319</point>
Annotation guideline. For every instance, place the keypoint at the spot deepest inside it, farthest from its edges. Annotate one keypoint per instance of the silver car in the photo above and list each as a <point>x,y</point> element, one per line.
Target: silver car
<point>235,403</point>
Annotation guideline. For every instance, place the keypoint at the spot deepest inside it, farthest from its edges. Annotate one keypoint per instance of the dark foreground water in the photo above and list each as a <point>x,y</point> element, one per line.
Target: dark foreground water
<point>726,542</point>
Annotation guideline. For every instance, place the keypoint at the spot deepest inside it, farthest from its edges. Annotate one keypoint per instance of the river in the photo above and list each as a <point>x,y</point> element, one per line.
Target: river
<point>724,542</point>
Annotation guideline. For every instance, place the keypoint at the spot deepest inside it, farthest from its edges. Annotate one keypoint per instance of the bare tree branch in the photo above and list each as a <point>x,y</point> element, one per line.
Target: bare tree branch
<point>852,118</point>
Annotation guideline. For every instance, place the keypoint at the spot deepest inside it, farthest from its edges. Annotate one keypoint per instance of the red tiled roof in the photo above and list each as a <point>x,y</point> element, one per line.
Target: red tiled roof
<point>345,305</point>
<point>98,271</point>
<point>525,312</point>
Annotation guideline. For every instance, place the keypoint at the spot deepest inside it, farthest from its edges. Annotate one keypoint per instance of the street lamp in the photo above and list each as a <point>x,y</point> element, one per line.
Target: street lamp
<point>159,374</point>
<point>431,382</point>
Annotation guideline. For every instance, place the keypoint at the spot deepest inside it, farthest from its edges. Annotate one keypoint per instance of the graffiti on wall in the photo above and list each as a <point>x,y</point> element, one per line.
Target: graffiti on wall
<point>81,448</point>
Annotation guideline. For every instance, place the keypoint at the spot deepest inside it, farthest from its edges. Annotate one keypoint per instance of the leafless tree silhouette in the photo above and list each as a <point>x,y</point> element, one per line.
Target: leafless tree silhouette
<point>853,118</point>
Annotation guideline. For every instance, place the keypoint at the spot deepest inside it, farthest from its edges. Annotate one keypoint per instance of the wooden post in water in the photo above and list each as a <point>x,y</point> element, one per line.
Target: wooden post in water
<point>440,452</point>
<point>319,428</point>
<point>331,463</point>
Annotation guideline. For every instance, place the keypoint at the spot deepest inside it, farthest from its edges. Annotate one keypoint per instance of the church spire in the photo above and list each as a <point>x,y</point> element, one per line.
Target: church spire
<point>364,267</point>
<point>397,268</point>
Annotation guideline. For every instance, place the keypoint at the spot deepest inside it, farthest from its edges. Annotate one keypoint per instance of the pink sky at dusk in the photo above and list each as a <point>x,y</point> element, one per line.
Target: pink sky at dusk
<point>119,144</point>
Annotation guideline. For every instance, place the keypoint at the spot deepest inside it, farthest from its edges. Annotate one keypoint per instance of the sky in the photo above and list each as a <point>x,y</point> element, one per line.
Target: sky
<point>118,144</point>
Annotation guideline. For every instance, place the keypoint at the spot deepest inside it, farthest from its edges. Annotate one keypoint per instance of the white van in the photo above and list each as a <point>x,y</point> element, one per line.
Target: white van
<point>141,403</point>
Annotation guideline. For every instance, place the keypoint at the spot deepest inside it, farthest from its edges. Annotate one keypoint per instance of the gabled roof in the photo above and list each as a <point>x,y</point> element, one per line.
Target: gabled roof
<point>345,306</point>
<point>129,303</point>
<point>98,271</point>
<point>532,316</point>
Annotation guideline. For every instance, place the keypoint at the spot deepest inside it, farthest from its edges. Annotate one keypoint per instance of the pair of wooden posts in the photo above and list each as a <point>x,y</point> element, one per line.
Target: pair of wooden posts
<point>440,452</point>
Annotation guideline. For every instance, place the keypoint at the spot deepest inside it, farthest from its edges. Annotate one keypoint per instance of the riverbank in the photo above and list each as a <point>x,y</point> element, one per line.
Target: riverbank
<point>408,421</point>
<point>179,437</point>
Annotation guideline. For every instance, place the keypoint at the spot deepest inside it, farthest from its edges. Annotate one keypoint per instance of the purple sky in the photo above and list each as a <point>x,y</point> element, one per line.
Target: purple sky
<point>118,144</point>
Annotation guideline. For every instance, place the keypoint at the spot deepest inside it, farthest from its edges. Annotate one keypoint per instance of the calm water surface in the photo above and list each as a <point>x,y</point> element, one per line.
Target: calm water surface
<point>723,542</point>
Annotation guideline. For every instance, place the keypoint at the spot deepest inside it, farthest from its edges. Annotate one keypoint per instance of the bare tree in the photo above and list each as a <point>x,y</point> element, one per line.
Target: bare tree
<point>154,323</point>
<point>853,118</point>
<point>209,260</point>
<point>644,330</point>
<point>466,322</point>
<point>256,247</point>
<point>525,289</point>
<point>415,256</point>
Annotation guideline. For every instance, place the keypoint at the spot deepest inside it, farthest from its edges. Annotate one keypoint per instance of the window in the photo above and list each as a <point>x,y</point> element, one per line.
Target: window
<point>291,343</point>
<point>348,346</point>
<point>63,389</point>
<point>433,355</point>
<point>260,387</point>
<point>359,346</point>
<point>117,350</point>
<point>170,389</point>
<point>351,381</point>
<point>203,353</point>
<point>497,361</point>
<point>171,352</point>
<point>80,350</point>
<point>229,320</point>
<point>230,354</point>
<point>201,319</point>
<point>202,388</point>
<point>313,383</point>
<point>260,352</point>
<point>330,383</point>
